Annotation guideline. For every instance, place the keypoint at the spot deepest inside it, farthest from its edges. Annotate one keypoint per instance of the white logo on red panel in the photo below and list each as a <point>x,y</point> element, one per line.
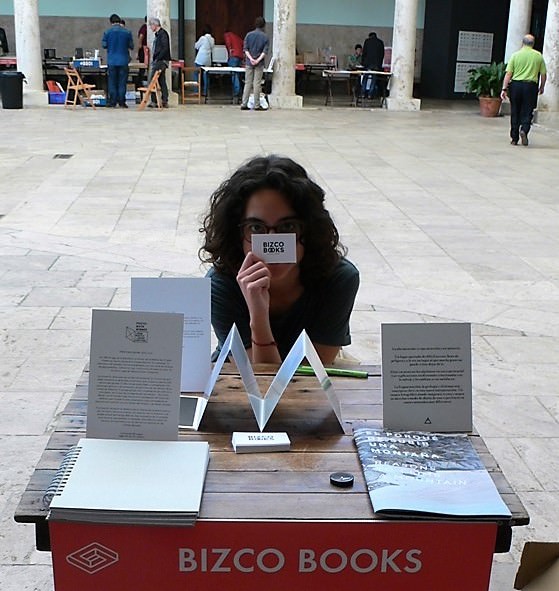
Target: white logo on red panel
<point>92,558</point>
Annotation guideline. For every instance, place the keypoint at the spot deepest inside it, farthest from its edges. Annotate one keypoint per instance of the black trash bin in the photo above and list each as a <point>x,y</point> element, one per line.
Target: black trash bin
<point>11,86</point>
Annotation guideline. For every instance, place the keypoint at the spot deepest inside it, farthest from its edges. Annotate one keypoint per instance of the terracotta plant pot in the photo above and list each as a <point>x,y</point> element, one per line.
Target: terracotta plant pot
<point>489,106</point>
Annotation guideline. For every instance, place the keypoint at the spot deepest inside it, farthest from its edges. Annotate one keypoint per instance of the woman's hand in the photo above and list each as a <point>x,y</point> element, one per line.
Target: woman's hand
<point>254,280</point>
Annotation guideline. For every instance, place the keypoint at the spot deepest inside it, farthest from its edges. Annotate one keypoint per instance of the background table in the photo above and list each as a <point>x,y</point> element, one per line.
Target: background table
<point>304,74</point>
<point>228,72</point>
<point>354,77</point>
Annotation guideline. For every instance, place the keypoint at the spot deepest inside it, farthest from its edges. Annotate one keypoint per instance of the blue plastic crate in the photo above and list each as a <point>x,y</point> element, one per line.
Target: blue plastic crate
<point>99,101</point>
<point>57,98</point>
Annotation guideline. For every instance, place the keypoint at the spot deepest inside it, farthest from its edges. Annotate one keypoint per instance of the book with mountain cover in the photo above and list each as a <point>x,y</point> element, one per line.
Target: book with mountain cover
<point>426,475</point>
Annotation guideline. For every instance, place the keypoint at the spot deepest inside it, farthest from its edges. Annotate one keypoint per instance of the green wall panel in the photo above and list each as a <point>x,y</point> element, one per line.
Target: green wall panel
<point>379,13</point>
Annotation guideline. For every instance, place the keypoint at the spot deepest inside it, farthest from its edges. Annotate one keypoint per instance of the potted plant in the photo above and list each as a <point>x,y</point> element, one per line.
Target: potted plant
<point>486,82</point>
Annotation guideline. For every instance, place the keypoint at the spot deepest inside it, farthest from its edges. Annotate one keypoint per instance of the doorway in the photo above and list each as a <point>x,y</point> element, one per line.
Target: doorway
<point>236,15</point>
<point>537,24</point>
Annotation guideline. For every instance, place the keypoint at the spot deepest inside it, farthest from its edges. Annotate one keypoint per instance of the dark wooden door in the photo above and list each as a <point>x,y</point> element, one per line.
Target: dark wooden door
<point>236,15</point>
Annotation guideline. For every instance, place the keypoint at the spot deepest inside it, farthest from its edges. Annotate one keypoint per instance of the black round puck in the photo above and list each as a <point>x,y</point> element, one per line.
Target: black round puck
<point>341,479</point>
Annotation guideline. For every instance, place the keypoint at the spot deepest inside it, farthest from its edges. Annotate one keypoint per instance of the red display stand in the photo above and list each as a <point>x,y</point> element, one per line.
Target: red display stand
<point>275,555</point>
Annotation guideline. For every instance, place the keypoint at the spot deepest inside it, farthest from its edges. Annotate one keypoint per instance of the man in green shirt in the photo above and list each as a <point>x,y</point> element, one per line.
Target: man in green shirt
<point>524,80</point>
<point>354,60</point>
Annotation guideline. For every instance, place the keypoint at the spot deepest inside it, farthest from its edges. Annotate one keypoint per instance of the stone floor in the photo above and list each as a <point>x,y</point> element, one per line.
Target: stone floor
<point>445,220</point>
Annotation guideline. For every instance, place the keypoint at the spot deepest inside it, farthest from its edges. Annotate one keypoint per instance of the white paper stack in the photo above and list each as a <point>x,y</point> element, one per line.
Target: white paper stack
<point>132,482</point>
<point>260,442</point>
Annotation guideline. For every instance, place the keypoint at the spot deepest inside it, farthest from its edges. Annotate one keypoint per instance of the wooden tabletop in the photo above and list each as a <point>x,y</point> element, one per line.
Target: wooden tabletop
<point>291,486</point>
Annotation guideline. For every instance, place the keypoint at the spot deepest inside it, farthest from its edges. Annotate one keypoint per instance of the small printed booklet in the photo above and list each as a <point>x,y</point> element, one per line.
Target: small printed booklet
<point>429,475</point>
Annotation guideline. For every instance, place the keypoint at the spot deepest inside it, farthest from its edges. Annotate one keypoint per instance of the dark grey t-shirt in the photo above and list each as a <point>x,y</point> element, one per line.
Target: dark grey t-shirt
<point>323,311</point>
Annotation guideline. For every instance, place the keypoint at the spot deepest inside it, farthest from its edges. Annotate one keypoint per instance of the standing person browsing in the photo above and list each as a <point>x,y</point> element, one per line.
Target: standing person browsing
<point>142,53</point>
<point>160,56</point>
<point>234,45</point>
<point>204,47</point>
<point>118,42</point>
<point>524,80</point>
<point>272,303</point>
<point>142,41</point>
<point>255,48</point>
<point>372,58</point>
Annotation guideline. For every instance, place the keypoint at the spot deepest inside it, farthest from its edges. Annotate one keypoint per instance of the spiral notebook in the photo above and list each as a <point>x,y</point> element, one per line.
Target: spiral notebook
<point>130,482</point>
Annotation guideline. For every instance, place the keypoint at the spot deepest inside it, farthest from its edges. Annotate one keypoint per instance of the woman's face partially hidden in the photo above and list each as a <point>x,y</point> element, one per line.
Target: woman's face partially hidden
<point>270,207</point>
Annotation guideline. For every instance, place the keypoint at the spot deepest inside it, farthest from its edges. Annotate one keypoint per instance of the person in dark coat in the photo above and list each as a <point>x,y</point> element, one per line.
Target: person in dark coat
<point>161,56</point>
<point>3,42</point>
<point>372,59</point>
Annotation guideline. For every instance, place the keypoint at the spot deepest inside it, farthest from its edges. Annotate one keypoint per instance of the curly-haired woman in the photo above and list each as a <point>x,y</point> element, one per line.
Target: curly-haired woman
<point>272,303</point>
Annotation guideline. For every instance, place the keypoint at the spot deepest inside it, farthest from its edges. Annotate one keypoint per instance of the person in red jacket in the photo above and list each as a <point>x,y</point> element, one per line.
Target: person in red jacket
<point>234,45</point>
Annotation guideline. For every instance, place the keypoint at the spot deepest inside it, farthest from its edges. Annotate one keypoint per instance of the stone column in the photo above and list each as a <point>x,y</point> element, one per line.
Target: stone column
<point>28,50</point>
<point>519,24</point>
<point>549,101</point>
<point>161,9</point>
<point>403,57</point>
<point>285,30</point>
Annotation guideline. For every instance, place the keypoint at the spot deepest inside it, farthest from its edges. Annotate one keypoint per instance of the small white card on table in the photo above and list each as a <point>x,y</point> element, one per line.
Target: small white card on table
<point>260,442</point>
